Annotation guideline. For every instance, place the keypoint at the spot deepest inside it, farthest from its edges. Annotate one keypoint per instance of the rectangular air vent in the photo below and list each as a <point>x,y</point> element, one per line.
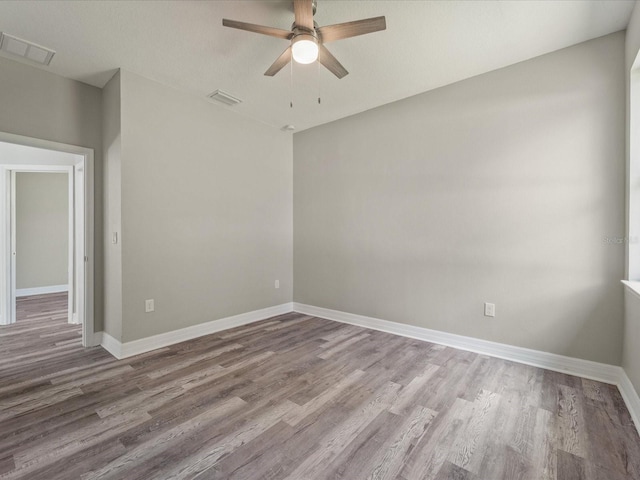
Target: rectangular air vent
<point>24,49</point>
<point>222,97</point>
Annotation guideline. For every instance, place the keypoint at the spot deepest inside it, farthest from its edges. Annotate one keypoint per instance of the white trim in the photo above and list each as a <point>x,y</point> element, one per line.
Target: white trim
<point>550,361</point>
<point>136,347</point>
<point>25,292</point>
<point>630,397</point>
<point>71,245</point>
<point>85,255</point>
<point>5,245</point>
<point>633,287</point>
<point>110,344</point>
<point>12,247</point>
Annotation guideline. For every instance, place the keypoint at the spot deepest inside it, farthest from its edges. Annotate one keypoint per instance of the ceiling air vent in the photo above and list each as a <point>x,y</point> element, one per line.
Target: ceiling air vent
<point>24,49</point>
<point>225,98</point>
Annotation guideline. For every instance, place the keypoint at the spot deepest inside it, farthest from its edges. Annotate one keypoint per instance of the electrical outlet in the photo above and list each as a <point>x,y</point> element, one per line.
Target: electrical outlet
<point>149,305</point>
<point>277,284</point>
<point>489,309</point>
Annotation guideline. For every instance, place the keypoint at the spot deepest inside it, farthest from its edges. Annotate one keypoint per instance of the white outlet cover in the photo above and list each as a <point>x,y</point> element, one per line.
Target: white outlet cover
<point>149,306</point>
<point>489,309</point>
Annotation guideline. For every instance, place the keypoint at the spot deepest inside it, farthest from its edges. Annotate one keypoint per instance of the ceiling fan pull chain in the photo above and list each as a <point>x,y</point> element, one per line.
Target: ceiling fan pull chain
<point>290,84</point>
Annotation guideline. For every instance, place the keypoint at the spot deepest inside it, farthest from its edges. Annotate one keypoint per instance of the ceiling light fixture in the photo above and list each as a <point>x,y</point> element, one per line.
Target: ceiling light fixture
<point>304,48</point>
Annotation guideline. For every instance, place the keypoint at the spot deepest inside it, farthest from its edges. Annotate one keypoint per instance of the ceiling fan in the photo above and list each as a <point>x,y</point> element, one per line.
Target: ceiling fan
<point>307,39</point>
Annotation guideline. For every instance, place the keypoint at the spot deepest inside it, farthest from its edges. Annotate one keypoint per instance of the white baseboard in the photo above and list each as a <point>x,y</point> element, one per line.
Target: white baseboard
<point>110,344</point>
<point>630,397</point>
<point>136,347</point>
<point>24,292</point>
<point>551,361</point>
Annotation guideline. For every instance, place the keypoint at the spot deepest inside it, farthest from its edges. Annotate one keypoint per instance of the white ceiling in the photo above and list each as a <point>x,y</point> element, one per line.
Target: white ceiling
<point>427,44</point>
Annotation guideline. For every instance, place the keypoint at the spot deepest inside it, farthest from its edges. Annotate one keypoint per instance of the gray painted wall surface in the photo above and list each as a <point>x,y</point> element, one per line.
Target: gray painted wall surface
<point>42,229</point>
<point>631,349</point>
<point>112,145</point>
<point>500,188</point>
<point>206,210</point>
<point>38,104</point>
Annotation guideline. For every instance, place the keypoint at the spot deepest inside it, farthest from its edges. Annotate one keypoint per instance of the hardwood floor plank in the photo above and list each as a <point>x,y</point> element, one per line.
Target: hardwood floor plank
<point>298,413</point>
<point>572,434</point>
<point>198,463</point>
<point>544,446</point>
<point>167,440</point>
<point>334,442</point>
<point>390,459</point>
<point>468,450</point>
<point>7,464</point>
<point>408,395</point>
<point>354,461</point>
<point>431,452</point>
<point>450,471</point>
<point>343,345</point>
<point>570,467</point>
<point>285,458</point>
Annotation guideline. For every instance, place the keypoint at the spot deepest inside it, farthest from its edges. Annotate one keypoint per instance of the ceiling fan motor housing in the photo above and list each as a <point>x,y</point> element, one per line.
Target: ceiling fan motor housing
<point>304,45</point>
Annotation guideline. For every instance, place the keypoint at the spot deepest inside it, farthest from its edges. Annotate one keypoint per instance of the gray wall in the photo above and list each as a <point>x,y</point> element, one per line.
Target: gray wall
<point>38,104</point>
<point>112,145</point>
<point>42,229</point>
<point>631,349</point>
<point>500,188</point>
<point>206,210</point>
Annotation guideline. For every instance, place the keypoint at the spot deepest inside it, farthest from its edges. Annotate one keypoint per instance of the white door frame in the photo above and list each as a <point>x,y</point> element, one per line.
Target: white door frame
<point>81,276</point>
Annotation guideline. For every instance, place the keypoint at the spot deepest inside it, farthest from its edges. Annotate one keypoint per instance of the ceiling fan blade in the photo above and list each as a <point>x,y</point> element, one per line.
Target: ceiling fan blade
<point>331,63</point>
<point>331,33</point>
<point>279,63</point>
<point>250,27</point>
<point>303,10</point>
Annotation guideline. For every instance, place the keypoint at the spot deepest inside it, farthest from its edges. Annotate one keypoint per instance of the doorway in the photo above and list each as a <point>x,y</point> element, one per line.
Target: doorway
<point>42,240</point>
<point>23,156</point>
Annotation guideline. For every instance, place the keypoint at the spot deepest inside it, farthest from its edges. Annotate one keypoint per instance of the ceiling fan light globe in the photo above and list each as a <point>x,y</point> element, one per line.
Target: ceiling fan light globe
<point>305,49</point>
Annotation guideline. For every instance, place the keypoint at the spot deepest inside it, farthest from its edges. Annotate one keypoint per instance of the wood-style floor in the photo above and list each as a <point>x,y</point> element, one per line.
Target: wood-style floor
<point>300,398</point>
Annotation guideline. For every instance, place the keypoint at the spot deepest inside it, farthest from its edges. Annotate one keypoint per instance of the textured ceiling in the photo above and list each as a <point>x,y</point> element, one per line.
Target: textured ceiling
<point>427,44</point>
